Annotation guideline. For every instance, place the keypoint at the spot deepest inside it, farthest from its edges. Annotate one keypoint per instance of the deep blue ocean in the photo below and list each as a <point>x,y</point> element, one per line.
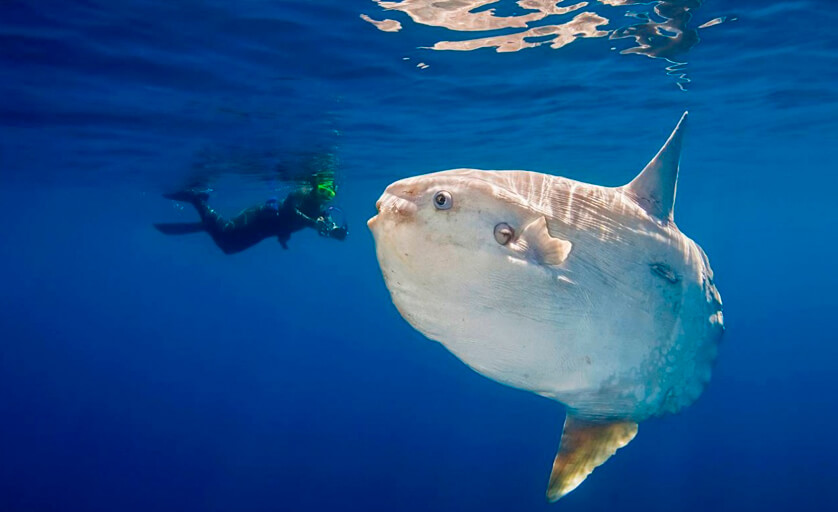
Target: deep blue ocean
<point>141,372</point>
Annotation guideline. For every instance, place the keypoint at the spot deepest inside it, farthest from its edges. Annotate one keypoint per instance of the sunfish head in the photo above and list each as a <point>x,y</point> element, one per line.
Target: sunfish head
<point>459,251</point>
<point>432,223</point>
<point>431,234</point>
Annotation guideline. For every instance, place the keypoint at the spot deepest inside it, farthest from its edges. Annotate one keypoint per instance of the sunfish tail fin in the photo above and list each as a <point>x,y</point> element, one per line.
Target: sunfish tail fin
<point>585,445</point>
<point>654,188</point>
<point>179,228</point>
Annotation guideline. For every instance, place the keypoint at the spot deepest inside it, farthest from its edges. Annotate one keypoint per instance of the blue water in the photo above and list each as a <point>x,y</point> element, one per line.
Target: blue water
<point>140,372</point>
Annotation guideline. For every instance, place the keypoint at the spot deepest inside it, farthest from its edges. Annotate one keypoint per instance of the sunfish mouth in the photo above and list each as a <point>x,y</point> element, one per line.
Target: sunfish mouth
<point>392,207</point>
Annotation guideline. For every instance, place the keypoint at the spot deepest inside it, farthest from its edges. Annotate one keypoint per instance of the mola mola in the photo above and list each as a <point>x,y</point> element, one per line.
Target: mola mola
<point>587,295</point>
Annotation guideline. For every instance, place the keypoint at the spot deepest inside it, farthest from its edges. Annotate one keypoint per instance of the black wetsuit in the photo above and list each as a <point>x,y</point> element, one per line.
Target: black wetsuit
<point>298,211</point>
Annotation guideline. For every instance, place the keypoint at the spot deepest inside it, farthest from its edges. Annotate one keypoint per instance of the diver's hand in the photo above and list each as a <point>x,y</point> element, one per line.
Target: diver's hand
<point>321,225</point>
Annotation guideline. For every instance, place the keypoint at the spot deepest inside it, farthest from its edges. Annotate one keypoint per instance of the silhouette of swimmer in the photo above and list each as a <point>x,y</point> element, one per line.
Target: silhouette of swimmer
<point>303,208</point>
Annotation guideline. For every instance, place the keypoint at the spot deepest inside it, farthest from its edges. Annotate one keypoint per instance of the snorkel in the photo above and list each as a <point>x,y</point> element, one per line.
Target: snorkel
<point>324,184</point>
<point>325,187</point>
<point>327,190</point>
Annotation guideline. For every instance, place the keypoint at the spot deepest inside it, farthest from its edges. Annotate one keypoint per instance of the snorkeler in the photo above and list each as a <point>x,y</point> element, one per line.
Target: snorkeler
<point>305,207</point>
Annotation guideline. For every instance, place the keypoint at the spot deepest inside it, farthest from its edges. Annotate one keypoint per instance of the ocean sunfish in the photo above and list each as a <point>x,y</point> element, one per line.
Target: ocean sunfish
<point>584,294</point>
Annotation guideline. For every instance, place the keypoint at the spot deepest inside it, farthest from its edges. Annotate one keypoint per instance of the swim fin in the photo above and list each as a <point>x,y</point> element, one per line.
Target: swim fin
<point>189,195</point>
<point>179,228</point>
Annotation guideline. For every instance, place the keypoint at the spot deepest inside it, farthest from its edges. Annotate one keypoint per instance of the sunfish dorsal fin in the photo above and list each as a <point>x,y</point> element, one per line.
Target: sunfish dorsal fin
<point>654,188</point>
<point>585,445</point>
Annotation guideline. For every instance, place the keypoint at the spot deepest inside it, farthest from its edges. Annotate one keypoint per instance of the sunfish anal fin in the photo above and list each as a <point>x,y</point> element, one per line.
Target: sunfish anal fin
<point>536,243</point>
<point>585,445</point>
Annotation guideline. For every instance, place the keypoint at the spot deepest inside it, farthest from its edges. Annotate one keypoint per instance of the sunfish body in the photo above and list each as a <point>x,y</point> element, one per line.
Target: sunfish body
<point>585,294</point>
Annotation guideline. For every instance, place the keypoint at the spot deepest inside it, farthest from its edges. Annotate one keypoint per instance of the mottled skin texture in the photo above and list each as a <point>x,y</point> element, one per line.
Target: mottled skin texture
<point>597,301</point>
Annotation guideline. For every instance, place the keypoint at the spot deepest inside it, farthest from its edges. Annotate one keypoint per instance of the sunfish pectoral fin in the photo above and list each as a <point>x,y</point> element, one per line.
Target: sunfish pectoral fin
<point>536,243</point>
<point>585,445</point>
<point>654,188</point>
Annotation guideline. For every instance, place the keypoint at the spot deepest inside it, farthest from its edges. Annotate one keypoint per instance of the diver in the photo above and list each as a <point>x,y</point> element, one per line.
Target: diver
<point>303,208</point>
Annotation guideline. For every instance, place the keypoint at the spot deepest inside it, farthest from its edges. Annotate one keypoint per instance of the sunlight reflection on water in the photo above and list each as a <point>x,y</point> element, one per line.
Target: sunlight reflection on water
<point>659,29</point>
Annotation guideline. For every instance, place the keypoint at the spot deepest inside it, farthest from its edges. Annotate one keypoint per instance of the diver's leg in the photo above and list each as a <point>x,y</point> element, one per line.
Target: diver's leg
<point>229,235</point>
<point>222,231</point>
<point>233,235</point>
<point>212,220</point>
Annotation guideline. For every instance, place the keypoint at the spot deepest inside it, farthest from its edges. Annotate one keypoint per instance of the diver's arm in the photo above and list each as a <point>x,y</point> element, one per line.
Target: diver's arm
<point>317,223</point>
<point>309,220</point>
<point>292,202</point>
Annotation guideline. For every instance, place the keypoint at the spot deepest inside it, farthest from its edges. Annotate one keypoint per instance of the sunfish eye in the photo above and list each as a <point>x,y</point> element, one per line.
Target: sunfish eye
<point>443,200</point>
<point>504,233</point>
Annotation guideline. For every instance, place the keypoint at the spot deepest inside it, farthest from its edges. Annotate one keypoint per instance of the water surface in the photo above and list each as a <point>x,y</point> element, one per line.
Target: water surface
<point>140,372</point>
